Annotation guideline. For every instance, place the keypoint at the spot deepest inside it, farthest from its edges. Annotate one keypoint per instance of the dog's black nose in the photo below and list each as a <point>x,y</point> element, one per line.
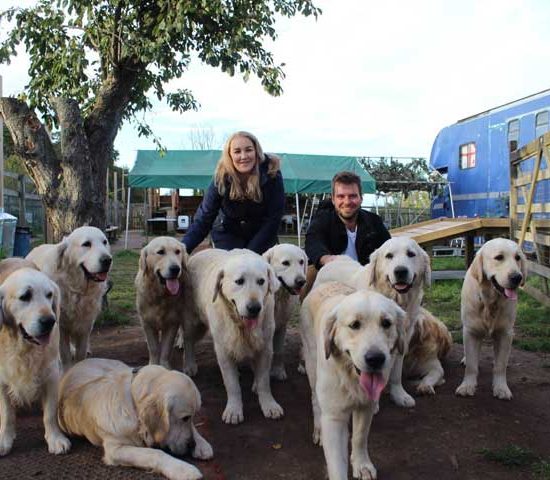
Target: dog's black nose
<point>300,282</point>
<point>174,271</point>
<point>191,445</point>
<point>515,279</point>
<point>253,309</point>
<point>46,323</point>
<point>401,274</point>
<point>375,359</point>
<point>105,262</point>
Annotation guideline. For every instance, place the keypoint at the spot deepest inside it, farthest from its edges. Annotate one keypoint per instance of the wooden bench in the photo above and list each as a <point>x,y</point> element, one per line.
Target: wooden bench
<point>111,233</point>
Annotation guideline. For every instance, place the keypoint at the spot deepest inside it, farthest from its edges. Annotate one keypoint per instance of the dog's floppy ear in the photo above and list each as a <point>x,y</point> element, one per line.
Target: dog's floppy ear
<point>329,332</point>
<point>5,316</point>
<point>184,257</point>
<point>56,304</point>
<point>218,287</point>
<point>304,256</point>
<point>143,259</point>
<point>401,321</point>
<point>426,264</point>
<point>370,268</point>
<point>273,283</point>
<point>476,268</point>
<point>153,411</point>
<point>61,250</point>
<point>268,255</point>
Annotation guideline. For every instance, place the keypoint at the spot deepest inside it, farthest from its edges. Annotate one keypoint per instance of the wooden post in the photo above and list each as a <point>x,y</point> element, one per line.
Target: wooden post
<point>107,216</point>
<point>469,250</point>
<point>22,205</point>
<point>115,198</point>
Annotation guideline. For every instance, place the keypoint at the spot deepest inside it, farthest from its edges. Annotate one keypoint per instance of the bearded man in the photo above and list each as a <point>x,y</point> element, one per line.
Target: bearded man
<point>340,227</point>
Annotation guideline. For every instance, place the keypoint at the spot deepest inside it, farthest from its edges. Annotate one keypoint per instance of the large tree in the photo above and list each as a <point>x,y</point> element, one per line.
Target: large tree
<point>95,64</point>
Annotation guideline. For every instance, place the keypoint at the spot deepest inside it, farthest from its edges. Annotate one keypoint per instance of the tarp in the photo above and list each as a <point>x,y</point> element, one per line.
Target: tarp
<point>194,169</point>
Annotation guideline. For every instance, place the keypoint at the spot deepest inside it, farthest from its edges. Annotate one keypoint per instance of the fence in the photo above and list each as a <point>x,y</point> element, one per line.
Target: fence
<point>530,209</point>
<point>22,201</point>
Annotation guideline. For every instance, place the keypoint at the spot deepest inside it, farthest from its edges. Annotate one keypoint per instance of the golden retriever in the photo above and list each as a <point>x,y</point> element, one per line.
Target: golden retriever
<point>232,293</point>
<point>159,295</point>
<point>430,343</point>
<point>79,264</point>
<point>289,263</point>
<point>488,309</point>
<point>29,355</point>
<point>399,269</point>
<point>128,412</point>
<point>350,342</point>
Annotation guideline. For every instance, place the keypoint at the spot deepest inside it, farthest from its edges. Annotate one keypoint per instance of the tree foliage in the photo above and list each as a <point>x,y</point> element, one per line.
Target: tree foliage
<point>97,63</point>
<point>398,175</point>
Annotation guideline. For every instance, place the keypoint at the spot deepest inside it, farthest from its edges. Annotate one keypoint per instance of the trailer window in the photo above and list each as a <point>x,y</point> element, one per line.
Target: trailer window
<point>513,134</point>
<point>468,155</point>
<point>541,123</point>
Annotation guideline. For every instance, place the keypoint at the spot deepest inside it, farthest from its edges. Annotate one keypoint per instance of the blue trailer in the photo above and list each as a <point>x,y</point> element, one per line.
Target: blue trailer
<point>474,156</point>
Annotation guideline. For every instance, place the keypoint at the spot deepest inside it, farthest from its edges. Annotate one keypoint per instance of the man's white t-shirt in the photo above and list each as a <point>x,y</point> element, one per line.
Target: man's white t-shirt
<point>351,251</point>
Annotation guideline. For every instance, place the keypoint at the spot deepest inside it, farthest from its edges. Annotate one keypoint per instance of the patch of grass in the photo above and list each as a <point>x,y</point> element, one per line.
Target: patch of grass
<point>448,263</point>
<point>516,456</point>
<point>443,300</point>
<point>122,297</point>
<point>511,456</point>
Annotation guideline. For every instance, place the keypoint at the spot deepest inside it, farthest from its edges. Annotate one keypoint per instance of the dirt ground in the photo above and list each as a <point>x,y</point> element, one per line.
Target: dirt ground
<point>441,437</point>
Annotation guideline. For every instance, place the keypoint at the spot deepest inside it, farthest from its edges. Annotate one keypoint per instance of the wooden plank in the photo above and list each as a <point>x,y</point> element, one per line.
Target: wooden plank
<point>539,269</point>
<point>537,295</point>
<point>527,216</point>
<point>526,178</point>
<point>535,208</point>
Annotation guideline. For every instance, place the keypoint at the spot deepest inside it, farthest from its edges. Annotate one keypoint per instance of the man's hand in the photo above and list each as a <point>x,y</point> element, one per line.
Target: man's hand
<point>327,258</point>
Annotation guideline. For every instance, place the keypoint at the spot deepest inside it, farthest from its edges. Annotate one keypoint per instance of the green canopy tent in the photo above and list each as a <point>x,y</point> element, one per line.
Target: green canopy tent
<point>194,169</point>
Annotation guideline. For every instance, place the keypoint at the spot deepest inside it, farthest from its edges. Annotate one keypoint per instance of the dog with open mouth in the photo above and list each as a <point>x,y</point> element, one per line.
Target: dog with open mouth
<point>350,340</point>
<point>231,293</point>
<point>80,266</point>
<point>159,295</point>
<point>29,355</point>
<point>289,263</point>
<point>399,269</point>
<point>488,310</point>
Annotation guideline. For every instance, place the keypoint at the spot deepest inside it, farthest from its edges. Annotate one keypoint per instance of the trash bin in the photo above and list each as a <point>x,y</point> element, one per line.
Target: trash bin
<point>22,242</point>
<point>7,225</point>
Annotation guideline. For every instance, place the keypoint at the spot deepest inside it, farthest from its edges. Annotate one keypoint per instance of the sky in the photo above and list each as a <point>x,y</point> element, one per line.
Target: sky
<point>367,78</point>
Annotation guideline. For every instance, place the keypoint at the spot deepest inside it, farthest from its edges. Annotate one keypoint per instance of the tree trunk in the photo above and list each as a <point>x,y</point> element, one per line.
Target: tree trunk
<point>70,182</point>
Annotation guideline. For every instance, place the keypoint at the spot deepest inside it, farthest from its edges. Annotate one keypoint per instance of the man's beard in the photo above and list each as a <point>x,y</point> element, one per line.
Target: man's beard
<point>350,216</point>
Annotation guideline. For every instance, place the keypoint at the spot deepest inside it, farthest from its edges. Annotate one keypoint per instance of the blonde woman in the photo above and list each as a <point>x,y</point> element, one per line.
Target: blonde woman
<point>244,204</point>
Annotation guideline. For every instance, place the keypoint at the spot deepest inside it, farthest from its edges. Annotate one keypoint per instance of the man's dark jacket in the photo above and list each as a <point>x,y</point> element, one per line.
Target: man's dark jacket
<point>327,234</point>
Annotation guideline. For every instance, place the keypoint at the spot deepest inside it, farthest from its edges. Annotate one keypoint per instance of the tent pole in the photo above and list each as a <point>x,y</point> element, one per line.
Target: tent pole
<point>298,223</point>
<point>127,219</point>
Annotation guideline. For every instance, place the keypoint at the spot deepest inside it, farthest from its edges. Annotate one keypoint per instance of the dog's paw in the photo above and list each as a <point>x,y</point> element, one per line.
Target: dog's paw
<point>425,389</point>
<point>302,368</point>
<point>400,397</point>
<point>271,409</point>
<point>466,389</point>
<point>278,373</point>
<point>182,471</point>
<point>203,450</point>
<point>190,369</point>
<point>502,392</point>
<point>233,414</point>
<point>58,443</point>
<point>6,442</point>
<point>364,470</point>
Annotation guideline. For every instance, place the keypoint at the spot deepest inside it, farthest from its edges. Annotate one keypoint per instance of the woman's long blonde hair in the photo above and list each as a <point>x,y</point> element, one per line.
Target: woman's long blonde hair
<point>225,170</point>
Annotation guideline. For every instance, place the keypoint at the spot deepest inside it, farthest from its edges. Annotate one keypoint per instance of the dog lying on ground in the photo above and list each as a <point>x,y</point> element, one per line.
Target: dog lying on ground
<point>232,295</point>
<point>79,264</point>
<point>159,295</point>
<point>29,357</point>
<point>488,309</point>
<point>129,412</point>
<point>289,263</point>
<point>398,269</point>
<point>350,341</point>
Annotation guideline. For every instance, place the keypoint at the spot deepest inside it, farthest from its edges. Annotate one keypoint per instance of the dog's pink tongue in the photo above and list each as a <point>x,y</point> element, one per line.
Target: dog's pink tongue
<point>372,384</point>
<point>250,322</point>
<point>101,276</point>
<point>173,286</point>
<point>511,294</point>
